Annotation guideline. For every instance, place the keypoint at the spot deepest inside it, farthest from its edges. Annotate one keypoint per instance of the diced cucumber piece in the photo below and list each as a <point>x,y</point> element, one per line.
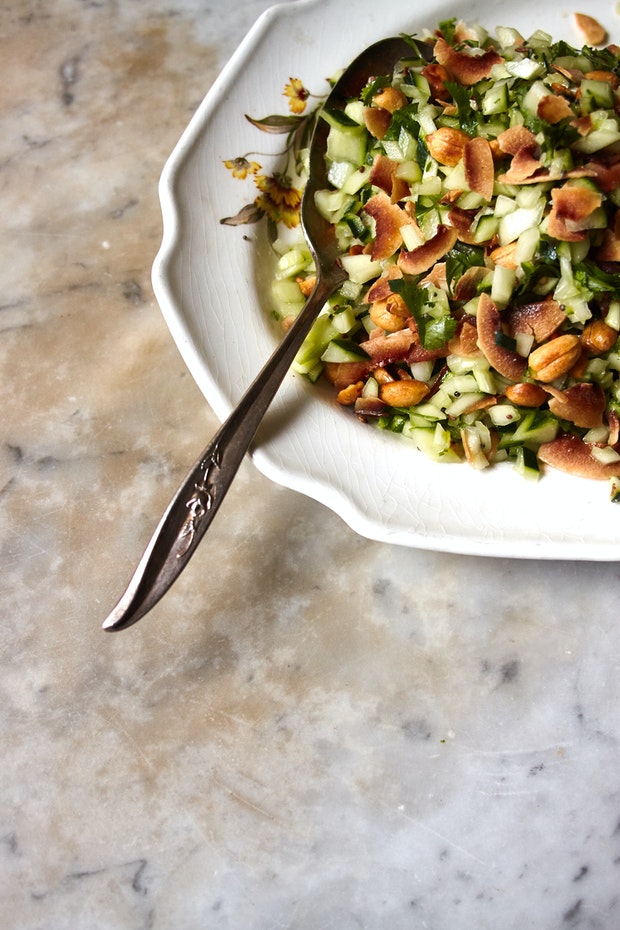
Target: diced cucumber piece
<point>596,95</point>
<point>339,172</point>
<point>527,245</point>
<point>613,315</point>
<point>605,454</point>
<point>343,350</point>
<point>332,205</point>
<point>287,292</point>
<point>346,140</point>
<point>292,263</point>
<point>504,280</point>
<point>525,68</point>
<point>341,121</point>
<point>425,441</point>
<point>355,111</point>
<point>460,404</point>
<point>504,205</point>
<point>486,228</point>
<point>526,464</point>
<point>495,99</point>
<point>356,180</point>
<point>344,320</point>
<point>460,384</point>
<point>350,290</point>
<point>421,371</point>
<point>504,415</point>
<point>534,95</point>
<point>360,268</point>
<point>412,237</point>
<point>513,224</point>
<point>410,171</point>
<point>319,337</point>
<point>534,428</point>
<point>598,139</point>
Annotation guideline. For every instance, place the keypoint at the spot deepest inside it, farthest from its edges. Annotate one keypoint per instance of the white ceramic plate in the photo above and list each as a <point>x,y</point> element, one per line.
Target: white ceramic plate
<point>213,297</point>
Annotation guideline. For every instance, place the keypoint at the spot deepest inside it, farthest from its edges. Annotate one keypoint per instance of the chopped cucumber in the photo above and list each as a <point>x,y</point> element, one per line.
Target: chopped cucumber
<point>517,242</point>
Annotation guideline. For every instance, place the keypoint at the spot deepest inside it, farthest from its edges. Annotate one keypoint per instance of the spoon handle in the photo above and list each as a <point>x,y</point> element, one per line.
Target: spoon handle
<point>196,502</point>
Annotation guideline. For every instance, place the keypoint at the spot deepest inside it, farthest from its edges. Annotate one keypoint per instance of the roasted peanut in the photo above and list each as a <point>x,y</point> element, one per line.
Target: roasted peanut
<point>403,393</point>
<point>390,99</point>
<point>349,395</point>
<point>390,314</point>
<point>597,337</point>
<point>447,145</point>
<point>306,285</point>
<point>553,359</point>
<point>526,394</point>
<point>382,376</point>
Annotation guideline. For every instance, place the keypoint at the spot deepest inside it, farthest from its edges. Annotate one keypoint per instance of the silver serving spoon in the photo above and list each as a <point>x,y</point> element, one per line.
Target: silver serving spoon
<point>193,507</point>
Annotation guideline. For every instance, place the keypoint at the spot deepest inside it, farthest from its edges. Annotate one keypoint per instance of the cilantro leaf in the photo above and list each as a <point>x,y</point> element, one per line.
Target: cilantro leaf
<point>466,101</point>
<point>433,332</point>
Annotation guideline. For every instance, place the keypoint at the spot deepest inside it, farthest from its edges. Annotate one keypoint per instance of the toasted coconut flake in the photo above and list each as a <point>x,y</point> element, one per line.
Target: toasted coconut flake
<point>383,174</point>
<point>571,207</point>
<point>437,276</point>
<point>609,251</point>
<point>607,176</point>
<point>575,203</point>
<point>608,76</point>
<point>583,124</point>
<point>479,169</point>
<point>582,404</point>
<point>380,289</point>
<point>590,28</point>
<point>540,320</point>
<point>516,138</point>
<point>418,353</point>
<point>521,143</point>
<point>465,340</point>
<point>377,121</point>
<point>553,109</point>
<point>425,256</point>
<point>572,74</point>
<point>437,77</point>
<point>463,222</point>
<point>571,454</point>
<point>389,219</point>
<point>541,177</point>
<point>489,325</point>
<point>467,68</point>
<point>369,407</point>
<point>504,255</point>
<point>384,350</point>
<point>467,285</point>
<point>523,168</point>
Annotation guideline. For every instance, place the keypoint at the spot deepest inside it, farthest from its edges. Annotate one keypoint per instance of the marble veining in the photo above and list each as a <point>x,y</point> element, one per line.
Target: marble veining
<point>312,730</point>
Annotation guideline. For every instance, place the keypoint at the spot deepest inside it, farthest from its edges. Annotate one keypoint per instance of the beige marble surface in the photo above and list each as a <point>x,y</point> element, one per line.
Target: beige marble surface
<point>312,730</point>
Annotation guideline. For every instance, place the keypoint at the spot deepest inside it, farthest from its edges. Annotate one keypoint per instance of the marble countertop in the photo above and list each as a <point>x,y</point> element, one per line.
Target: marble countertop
<point>311,730</point>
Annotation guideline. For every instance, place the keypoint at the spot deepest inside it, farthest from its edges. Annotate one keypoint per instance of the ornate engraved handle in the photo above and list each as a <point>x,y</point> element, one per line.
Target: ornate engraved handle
<point>193,507</point>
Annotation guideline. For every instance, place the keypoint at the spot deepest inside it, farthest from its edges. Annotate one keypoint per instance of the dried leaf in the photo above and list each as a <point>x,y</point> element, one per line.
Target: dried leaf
<point>277,125</point>
<point>249,214</point>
